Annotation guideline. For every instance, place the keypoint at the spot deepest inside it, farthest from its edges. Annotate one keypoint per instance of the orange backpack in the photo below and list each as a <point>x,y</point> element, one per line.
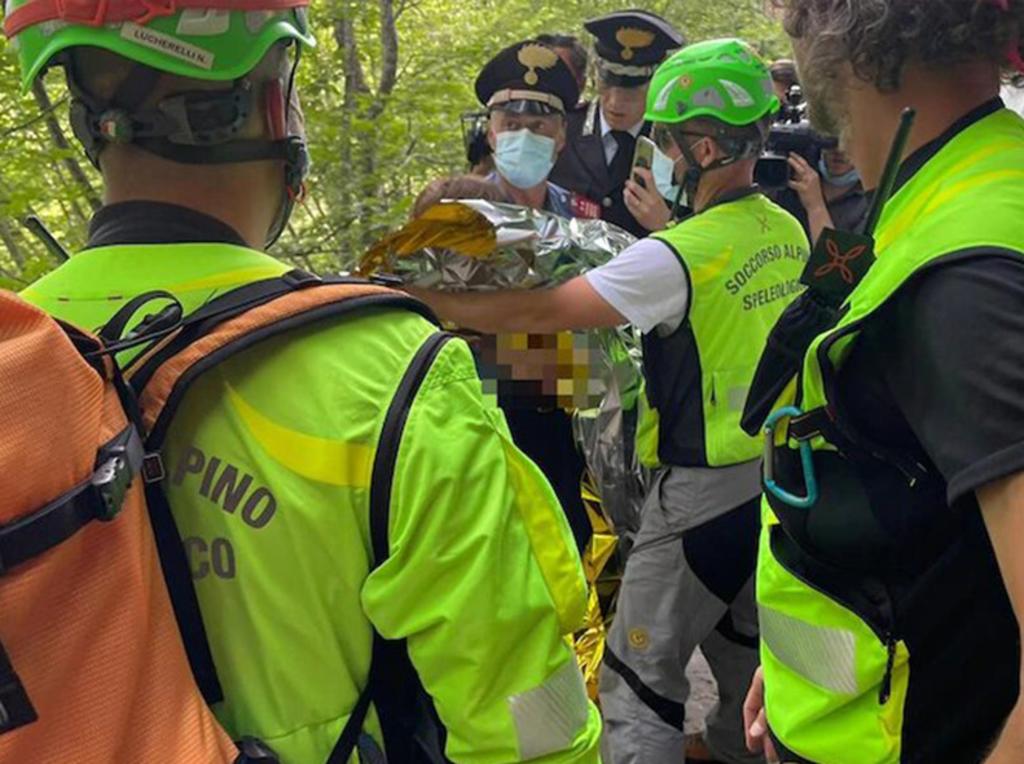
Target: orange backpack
<point>94,668</point>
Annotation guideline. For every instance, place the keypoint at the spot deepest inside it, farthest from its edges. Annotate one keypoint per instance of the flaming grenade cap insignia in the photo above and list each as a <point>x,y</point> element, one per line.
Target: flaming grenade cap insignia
<point>535,57</point>
<point>631,39</point>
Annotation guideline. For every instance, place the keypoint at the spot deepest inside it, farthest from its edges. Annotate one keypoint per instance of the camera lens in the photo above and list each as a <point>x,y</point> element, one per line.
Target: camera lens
<point>772,172</point>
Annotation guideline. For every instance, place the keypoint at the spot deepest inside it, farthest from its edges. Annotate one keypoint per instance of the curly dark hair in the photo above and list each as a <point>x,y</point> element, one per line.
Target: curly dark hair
<point>879,37</point>
<point>578,58</point>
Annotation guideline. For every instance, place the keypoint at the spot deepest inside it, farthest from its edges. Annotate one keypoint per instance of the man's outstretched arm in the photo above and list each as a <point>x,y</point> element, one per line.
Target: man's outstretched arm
<point>573,306</point>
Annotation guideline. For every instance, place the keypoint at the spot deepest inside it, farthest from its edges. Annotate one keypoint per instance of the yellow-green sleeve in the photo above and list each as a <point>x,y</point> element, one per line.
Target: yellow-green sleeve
<point>483,580</point>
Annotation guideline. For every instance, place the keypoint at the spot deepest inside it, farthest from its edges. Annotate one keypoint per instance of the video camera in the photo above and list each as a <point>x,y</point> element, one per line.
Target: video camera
<point>790,133</point>
<point>474,136</point>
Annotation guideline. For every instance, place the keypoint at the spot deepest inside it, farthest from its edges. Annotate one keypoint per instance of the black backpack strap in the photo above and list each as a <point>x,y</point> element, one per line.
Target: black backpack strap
<point>173,559</point>
<point>98,498</point>
<point>16,709</point>
<point>178,577</point>
<point>392,678</point>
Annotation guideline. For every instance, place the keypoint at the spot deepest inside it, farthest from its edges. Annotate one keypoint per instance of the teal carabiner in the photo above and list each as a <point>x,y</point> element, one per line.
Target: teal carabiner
<point>806,460</point>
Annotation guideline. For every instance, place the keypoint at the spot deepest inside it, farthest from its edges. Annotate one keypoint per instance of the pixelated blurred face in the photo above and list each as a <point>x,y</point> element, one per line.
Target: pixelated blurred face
<point>622,108</point>
<point>531,371</point>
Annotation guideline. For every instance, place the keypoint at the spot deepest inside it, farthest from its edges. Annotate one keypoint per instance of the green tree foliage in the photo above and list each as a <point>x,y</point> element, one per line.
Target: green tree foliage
<point>382,94</point>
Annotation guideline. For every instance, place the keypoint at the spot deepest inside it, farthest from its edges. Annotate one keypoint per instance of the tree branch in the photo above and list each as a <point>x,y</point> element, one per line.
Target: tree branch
<point>61,142</point>
<point>345,36</point>
<point>8,132</point>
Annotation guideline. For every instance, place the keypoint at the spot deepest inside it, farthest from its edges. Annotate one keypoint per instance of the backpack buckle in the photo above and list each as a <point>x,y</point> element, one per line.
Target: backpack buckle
<point>119,462</point>
<point>112,479</point>
<point>387,280</point>
<point>254,751</point>
<point>300,279</point>
<point>153,470</point>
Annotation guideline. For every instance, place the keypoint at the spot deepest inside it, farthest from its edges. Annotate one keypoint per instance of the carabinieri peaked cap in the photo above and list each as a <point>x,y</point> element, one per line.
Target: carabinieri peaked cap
<point>528,78</point>
<point>631,44</point>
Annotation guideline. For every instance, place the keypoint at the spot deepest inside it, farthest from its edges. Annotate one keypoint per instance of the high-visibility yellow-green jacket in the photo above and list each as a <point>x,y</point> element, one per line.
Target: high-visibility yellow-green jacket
<point>837,635</point>
<point>269,464</point>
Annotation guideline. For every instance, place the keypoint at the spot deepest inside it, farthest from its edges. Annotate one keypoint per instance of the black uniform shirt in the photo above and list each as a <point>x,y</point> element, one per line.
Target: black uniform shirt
<point>583,168</point>
<point>940,368</point>
<point>848,211</point>
<point>938,372</point>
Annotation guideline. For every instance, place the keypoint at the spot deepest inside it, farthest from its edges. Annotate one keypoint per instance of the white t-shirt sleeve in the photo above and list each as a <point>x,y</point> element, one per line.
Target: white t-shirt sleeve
<point>647,284</point>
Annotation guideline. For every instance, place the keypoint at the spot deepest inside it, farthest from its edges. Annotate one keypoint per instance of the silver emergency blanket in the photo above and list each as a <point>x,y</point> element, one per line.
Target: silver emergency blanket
<point>475,244</point>
<point>481,245</point>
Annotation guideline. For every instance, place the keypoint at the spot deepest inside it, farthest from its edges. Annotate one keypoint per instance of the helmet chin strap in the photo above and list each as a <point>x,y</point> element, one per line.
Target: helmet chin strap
<point>691,180</point>
<point>296,164</point>
<point>695,171</point>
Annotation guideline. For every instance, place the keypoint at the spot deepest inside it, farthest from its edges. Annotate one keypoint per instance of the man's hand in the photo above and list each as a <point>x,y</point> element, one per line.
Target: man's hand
<point>1002,507</point>
<point>807,183</point>
<point>645,203</point>
<point>755,722</point>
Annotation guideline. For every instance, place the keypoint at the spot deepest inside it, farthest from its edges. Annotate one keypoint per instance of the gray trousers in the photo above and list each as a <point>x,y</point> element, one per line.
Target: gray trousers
<point>688,582</point>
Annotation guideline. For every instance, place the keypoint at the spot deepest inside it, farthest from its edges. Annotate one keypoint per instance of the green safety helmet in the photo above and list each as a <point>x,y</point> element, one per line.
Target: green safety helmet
<point>200,39</point>
<point>218,40</point>
<point>724,79</point>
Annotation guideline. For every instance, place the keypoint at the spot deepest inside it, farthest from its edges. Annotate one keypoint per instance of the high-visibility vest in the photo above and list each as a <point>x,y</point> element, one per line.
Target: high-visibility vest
<point>742,261</point>
<point>837,671</point>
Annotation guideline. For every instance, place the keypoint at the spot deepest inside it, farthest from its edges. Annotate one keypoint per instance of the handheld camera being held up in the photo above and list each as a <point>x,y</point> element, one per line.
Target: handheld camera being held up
<point>790,133</point>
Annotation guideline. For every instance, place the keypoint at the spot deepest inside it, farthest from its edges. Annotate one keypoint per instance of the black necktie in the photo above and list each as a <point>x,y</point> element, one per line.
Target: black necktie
<point>622,162</point>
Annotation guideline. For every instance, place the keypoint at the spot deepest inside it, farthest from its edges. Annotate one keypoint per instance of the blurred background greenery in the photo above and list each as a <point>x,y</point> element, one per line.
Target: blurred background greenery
<point>383,93</point>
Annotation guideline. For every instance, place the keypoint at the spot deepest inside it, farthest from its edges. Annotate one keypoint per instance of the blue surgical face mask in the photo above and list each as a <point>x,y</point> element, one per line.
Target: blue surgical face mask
<point>664,170</point>
<point>839,181</point>
<point>524,158</point>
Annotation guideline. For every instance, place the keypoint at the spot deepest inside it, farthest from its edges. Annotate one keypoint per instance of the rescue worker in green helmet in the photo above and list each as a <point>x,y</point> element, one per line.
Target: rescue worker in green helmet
<point>193,121</point>
<point>891,568</point>
<point>705,294</point>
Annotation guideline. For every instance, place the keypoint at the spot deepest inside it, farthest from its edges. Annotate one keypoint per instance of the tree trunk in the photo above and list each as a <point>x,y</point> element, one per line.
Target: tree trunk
<point>61,142</point>
<point>389,58</point>
<point>345,36</point>
<point>10,241</point>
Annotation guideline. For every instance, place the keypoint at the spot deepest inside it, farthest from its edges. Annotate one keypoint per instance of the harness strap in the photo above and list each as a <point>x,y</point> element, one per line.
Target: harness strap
<point>825,422</point>
<point>819,421</point>
<point>392,683</point>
